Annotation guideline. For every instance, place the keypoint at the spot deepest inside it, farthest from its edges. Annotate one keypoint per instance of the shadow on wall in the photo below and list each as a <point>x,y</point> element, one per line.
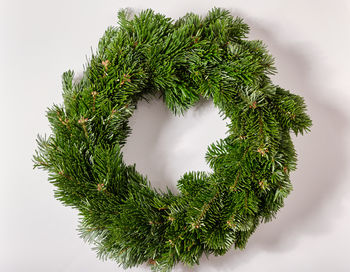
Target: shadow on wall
<point>321,164</point>
<point>142,148</point>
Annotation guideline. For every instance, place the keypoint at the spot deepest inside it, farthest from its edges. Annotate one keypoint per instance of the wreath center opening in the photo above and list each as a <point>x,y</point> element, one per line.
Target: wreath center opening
<point>165,146</point>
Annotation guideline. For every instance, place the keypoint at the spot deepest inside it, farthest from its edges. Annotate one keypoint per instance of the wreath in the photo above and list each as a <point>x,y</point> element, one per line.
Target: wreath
<point>185,60</point>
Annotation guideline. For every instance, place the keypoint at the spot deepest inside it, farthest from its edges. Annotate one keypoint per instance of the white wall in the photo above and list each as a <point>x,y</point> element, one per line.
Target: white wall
<point>310,40</point>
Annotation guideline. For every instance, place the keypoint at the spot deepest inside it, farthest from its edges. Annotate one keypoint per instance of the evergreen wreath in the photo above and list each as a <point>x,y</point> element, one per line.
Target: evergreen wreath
<point>184,60</point>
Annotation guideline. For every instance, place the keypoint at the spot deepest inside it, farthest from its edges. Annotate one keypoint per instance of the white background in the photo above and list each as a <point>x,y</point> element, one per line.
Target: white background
<point>310,40</point>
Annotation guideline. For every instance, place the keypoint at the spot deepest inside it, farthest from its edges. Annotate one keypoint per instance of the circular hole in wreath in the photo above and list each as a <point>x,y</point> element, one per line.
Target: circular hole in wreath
<point>164,146</point>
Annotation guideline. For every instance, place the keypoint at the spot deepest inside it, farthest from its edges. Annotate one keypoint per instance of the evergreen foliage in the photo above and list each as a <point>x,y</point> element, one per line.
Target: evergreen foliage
<point>194,57</point>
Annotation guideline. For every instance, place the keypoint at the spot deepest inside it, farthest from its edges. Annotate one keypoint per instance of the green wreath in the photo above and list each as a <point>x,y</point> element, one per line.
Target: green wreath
<point>194,57</point>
